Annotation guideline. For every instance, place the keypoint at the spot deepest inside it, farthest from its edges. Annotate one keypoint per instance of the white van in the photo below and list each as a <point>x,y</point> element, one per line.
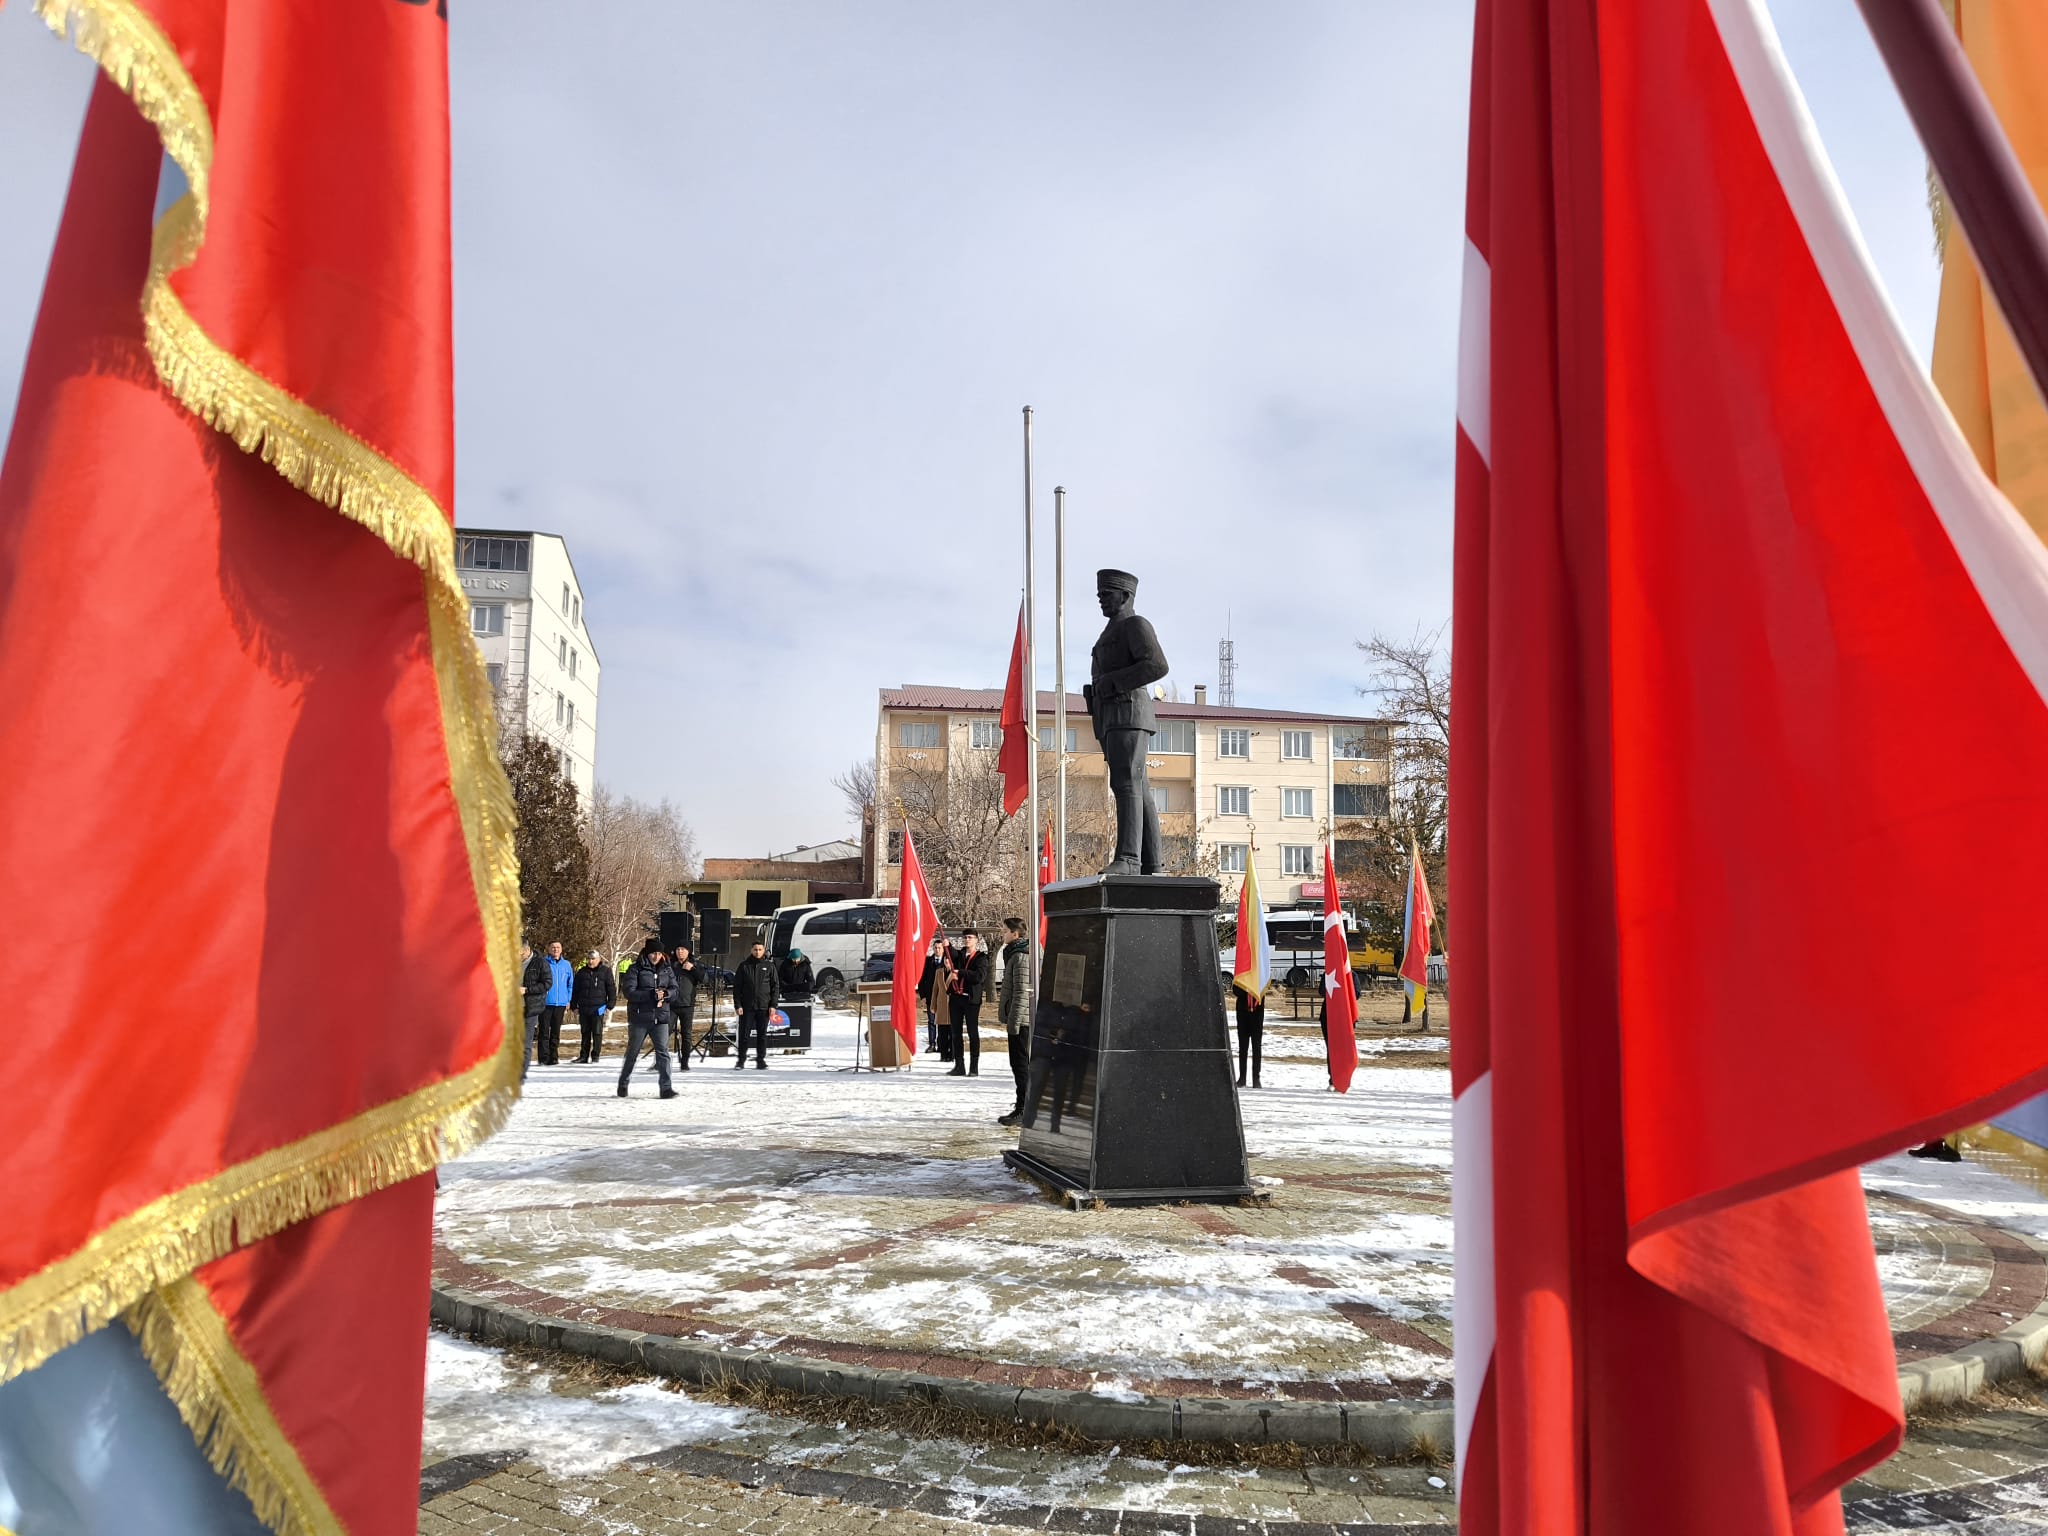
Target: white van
<point>835,936</point>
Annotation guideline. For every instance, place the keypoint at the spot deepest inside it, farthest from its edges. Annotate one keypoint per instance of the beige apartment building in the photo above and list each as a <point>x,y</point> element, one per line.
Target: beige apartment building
<point>1232,784</point>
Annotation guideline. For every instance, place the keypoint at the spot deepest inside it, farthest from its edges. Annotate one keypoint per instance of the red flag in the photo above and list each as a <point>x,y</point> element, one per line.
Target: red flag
<point>267,777</point>
<point>916,921</point>
<point>1045,878</point>
<point>1014,761</point>
<point>1421,917</point>
<point>1340,991</point>
<point>1712,526</point>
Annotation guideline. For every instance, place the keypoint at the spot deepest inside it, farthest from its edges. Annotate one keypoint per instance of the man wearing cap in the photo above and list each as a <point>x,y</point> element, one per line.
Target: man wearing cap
<point>1127,662</point>
<point>594,992</point>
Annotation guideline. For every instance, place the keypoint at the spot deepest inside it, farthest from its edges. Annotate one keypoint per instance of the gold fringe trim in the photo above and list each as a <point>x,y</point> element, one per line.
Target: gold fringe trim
<point>2010,1156</point>
<point>217,1394</point>
<point>175,1234</point>
<point>170,1237</point>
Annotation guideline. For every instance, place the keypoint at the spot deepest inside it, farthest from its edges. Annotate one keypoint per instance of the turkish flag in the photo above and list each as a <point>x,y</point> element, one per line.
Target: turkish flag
<point>1014,761</point>
<point>1046,877</point>
<point>1713,528</point>
<point>917,920</point>
<point>271,752</point>
<point>1340,990</point>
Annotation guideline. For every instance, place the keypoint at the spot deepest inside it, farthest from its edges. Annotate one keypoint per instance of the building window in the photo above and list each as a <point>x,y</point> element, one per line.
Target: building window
<point>1300,745</point>
<point>562,652</point>
<point>1175,736</point>
<point>486,619</point>
<point>575,610</point>
<point>1359,800</point>
<point>1297,802</point>
<point>985,735</point>
<point>565,600</point>
<point>575,660</point>
<point>1297,860</point>
<point>917,733</point>
<point>559,702</point>
<point>572,714</point>
<point>895,853</point>
<point>568,766</point>
<point>1233,800</point>
<point>1159,798</point>
<point>1073,740</point>
<point>494,673</point>
<point>1233,743</point>
<point>475,554</point>
<point>1366,741</point>
<point>1230,858</point>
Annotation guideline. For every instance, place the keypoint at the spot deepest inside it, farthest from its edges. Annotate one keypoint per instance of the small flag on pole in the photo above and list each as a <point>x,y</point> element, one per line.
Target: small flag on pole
<point>1253,972</point>
<point>1014,761</point>
<point>917,920</point>
<point>1417,917</point>
<point>1045,878</point>
<point>1340,992</point>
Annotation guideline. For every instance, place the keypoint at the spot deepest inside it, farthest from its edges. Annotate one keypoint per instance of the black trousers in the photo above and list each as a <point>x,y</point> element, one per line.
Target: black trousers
<point>636,1035</point>
<point>591,1045</point>
<point>551,1033</point>
<point>532,1033</point>
<point>1020,1062</point>
<point>1137,818</point>
<point>756,1021</point>
<point>685,1035</point>
<point>1252,1038</point>
<point>966,1032</point>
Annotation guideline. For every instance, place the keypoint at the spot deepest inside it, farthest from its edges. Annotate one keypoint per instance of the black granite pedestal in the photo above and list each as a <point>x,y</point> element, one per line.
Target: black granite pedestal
<point>1131,1097</point>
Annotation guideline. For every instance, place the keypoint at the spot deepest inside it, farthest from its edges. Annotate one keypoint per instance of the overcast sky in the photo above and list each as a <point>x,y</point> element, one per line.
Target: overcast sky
<point>749,296</point>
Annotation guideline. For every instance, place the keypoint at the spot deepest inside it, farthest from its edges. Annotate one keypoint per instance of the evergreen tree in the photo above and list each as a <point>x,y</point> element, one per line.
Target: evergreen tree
<point>555,894</point>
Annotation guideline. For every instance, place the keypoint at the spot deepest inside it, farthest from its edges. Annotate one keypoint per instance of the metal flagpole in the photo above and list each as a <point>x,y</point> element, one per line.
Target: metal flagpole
<point>1031,736</point>
<point>1059,677</point>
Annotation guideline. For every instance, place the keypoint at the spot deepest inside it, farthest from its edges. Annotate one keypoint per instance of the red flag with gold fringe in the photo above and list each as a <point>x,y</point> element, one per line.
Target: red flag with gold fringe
<point>265,775</point>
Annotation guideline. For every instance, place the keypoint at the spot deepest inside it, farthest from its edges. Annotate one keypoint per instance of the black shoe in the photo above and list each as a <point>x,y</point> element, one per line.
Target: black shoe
<point>974,1071</point>
<point>670,1093</point>
<point>739,1064</point>
<point>1240,1079</point>
<point>761,1066</point>
<point>622,1093</point>
<point>957,1072</point>
<point>1256,1083</point>
<point>1011,1118</point>
<point>1940,1151</point>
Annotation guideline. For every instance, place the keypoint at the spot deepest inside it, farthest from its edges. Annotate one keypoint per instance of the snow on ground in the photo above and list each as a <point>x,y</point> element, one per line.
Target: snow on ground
<point>481,1400</point>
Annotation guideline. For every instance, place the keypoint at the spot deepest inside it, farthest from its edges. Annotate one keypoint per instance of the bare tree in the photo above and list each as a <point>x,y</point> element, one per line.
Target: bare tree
<point>857,785</point>
<point>1410,685</point>
<point>639,854</point>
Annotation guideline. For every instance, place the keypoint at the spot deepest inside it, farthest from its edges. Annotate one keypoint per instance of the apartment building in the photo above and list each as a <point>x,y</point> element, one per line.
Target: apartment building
<point>526,611</point>
<point>1233,784</point>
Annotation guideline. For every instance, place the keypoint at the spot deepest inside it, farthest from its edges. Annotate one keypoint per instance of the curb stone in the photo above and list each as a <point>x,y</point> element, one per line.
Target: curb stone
<point>1387,1429</point>
<point>1383,1429</point>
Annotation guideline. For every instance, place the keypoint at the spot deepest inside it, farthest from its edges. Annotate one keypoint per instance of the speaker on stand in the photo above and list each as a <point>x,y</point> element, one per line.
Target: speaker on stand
<point>716,932</point>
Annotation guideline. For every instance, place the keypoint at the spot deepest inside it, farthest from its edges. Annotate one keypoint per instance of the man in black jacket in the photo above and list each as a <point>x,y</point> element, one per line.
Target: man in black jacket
<point>754,995</point>
<point>594,993</point>
<point>685,1004</point>
<point>969,989</point>
<point>534,980</point>
<point>1010,1011</point>
<point>650,986</point>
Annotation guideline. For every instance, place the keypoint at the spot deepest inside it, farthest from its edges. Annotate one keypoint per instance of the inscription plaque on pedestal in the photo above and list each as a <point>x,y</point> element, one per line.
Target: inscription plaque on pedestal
<point>1131,1095</point>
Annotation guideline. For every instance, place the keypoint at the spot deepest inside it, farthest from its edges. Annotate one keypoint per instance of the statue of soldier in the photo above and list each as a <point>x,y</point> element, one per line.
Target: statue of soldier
<point>1127,661</point>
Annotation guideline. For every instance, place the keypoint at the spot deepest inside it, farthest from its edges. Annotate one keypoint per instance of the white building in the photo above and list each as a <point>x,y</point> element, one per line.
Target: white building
<point>526,610</point>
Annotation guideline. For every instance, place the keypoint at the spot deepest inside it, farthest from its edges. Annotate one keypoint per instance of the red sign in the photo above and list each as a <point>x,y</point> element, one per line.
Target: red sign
<point>1311,890</point>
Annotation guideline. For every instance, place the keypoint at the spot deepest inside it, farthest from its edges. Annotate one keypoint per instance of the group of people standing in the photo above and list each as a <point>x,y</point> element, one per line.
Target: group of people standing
<point>550,987</point>
<point>954,985</point>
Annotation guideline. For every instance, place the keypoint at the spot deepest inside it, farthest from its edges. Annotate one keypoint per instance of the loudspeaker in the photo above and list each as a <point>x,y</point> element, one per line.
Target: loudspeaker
<point>677,930</point>
<point>717,930</point>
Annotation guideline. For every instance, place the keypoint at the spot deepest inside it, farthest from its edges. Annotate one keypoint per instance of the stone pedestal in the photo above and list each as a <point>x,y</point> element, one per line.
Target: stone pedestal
<point>1132,1094</point>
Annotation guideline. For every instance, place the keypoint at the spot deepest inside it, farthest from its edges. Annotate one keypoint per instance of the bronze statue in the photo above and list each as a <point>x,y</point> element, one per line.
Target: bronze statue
<point>1127,661</point>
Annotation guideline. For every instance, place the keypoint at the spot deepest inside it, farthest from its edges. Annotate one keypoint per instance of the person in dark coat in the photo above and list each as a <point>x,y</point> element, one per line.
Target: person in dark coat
<point>931,988</point>
<point>754,995</point>
<point>1251,1032</point>
<point>966,992</point>
<point>650,1013</point>
<point>688,975</point>
<point>594,993</point>
<point>1010,1012</point>
<point>795,980</point>
<point>534,980</point>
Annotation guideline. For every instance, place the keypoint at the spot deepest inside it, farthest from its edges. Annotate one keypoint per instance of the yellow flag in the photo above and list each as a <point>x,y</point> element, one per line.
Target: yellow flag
<point>1976,366</point>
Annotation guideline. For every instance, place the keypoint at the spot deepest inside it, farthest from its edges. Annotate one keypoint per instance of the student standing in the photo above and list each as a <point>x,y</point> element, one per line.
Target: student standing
<point>1251,1032</point>
<point>968,990</point>
<point>754,995</point>
<point>561,978</point>
<point>1010,1012</point>
<point>534,980</point>
<point>593,994</point>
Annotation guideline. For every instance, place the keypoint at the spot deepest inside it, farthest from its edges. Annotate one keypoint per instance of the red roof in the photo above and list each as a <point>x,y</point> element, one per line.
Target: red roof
<point>989,701</point>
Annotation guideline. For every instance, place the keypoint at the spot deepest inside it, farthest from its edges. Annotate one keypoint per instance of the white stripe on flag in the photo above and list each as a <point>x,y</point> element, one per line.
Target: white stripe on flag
<point>1475,348</point>
<point>2006,563</point>
<point>1472,1314</point>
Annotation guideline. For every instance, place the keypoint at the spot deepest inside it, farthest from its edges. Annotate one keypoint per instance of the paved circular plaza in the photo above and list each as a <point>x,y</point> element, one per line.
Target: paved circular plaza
<point>867,1218</point>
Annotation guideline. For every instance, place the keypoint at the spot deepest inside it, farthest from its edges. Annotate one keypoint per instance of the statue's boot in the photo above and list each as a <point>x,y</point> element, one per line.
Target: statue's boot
<point>1121,865</point>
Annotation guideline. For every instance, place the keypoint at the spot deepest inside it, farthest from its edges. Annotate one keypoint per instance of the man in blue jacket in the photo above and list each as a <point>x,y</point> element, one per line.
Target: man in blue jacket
<point>562,978</point>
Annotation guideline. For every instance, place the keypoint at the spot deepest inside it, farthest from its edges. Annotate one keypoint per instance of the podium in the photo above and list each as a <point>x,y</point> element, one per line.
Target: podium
<point>1131,1097</point>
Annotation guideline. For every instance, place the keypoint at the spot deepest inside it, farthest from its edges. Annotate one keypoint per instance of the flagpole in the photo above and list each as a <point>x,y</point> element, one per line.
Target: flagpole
<point>1059,676</point>
<point>1031,736</point>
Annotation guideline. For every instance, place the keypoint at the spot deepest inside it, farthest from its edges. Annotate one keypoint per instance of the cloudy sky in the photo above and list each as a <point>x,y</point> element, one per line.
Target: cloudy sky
<point>749,296</point>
